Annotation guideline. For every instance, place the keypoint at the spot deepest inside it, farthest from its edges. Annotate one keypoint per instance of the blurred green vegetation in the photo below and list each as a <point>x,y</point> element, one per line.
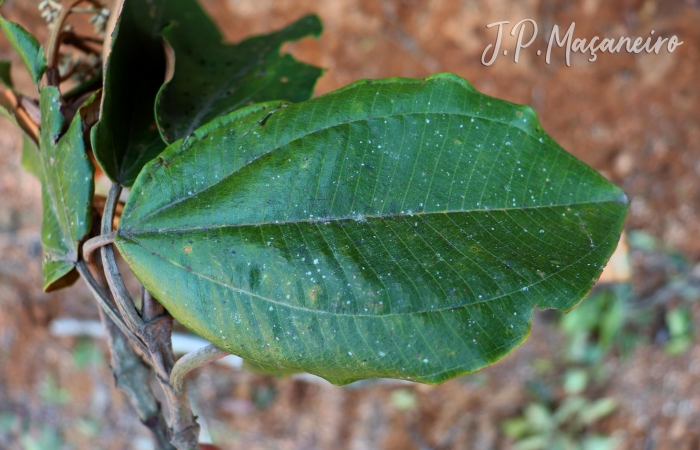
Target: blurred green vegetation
<point>565,404</point>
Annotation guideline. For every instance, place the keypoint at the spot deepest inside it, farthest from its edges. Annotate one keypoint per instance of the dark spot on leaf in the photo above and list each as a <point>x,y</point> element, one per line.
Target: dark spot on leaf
<point>254,278</point>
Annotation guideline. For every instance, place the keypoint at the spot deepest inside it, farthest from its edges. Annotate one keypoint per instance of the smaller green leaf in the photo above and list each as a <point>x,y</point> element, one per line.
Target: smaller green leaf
<point>66,191</point>
<point>126,136</point>
<point>31,158</point>
<point>27,47</point>
<point>212,79</point>
<point>5,77</point>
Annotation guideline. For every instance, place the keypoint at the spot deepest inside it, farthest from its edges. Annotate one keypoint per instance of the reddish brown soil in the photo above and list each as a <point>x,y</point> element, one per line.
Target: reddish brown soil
<point>635,118</point>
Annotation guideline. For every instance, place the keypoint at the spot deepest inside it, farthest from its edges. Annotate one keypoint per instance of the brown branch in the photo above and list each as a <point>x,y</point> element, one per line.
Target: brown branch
<point>131,374</point>
<point>184,423</point>
<point>79,42</point>
<point>13,103</point>
<point>52,76</point>
<point>123,299</point>
<point>153,328</point>
<point>56,38</point>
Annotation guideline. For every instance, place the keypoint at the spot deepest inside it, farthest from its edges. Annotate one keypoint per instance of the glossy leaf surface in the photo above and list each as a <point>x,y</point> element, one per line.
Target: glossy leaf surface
<point>67,191</point>
<point>395,228</point>
<point>212,79</point>
<point>27,47</point>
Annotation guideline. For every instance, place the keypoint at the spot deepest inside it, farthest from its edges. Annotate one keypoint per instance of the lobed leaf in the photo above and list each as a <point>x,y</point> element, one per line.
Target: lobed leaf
<point>128,133</point>
<point>27,47</point>
<point>211,79</point>
<point>67,191</point>
<point>395,228</point>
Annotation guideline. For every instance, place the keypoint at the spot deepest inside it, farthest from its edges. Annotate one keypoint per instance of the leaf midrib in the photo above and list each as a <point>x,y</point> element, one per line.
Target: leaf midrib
<point>129,231</point>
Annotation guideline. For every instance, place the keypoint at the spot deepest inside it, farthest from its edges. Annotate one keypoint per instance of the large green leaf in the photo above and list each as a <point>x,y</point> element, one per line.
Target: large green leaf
<point>395,228</point>
<point>27,47</point>
<point>212,79</point>
<point>67,191</point>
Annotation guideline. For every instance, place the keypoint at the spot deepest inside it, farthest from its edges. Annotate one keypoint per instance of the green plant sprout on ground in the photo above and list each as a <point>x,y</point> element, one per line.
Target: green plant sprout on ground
<point>400,228</point>
<point>541,428</point>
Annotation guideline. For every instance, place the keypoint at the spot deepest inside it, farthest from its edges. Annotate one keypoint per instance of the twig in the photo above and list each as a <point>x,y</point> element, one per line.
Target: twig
<point>153,327</point>
<point>99,202</point>
<point>70,38</point>
<point>191,361</point>
<point>13,104</point>
<point>52,75</point>
<point>158,331</point>
<point>121,295</point>
<point>93,244</point>
<point>184,423</point>
<point>132,375</point>
<point>106,304</point>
